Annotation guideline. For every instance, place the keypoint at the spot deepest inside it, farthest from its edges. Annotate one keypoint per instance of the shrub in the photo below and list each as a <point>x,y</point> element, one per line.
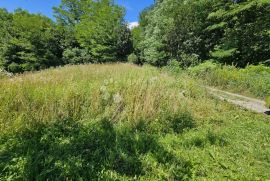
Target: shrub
<point>132,58</point>
<point>203,68</point>
<point>15,68</point>
<point>258,69</point>
<point>174,66</point>
<point>189,60</point>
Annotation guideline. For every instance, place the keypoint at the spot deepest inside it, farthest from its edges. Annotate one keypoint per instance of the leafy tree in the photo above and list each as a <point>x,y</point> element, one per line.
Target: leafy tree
<point>32,44</point>
<point>5,30</point>
<point>173,29</point>
<point>76,56</point>
<point>229,31</point>
<point>243,26</point>
<point>103,32</point>
<point>70,12</point>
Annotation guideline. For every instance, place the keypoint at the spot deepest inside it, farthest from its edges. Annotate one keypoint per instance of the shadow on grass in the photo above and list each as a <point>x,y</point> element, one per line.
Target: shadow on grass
<point>70,149</point>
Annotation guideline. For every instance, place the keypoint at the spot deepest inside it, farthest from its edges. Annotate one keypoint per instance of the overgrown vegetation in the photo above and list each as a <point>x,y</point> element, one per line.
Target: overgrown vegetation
<point>253,80</point>
<point>122,122</point>
<point>125,122</point>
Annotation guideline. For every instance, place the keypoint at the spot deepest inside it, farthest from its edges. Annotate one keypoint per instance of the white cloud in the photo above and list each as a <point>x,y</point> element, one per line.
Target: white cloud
<point>132,25</point>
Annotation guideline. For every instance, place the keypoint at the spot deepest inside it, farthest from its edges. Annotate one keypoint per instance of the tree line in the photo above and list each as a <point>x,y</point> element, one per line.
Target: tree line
<point>183,31</point>
<point>190,31</point>
<point>85,31</point>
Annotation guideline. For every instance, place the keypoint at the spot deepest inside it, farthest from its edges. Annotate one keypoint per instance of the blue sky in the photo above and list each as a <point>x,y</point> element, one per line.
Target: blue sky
<point>133,7</point>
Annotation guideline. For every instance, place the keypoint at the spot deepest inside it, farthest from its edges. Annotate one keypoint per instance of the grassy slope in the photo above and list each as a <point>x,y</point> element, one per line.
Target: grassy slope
<point>122,121</point>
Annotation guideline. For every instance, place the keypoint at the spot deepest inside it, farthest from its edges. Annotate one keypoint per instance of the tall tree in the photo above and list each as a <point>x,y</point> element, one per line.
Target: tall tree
<point>244,29</point>
<point>98,26</point>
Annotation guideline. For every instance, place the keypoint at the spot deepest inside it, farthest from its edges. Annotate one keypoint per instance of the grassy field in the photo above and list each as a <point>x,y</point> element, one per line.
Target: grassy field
<point>123,122</point>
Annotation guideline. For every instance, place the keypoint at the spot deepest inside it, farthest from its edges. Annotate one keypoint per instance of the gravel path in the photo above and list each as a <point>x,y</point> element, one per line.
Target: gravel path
<point>252,104</point>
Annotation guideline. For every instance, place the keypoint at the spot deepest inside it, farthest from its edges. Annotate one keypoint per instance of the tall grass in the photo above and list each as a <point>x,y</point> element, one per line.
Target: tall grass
<point>123,122</point>
<point>47,117</point>
<point>120,92</point>
<point>252,80</point>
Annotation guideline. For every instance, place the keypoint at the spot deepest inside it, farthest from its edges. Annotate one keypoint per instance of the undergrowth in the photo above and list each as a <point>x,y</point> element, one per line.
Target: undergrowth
<point>252,80</point>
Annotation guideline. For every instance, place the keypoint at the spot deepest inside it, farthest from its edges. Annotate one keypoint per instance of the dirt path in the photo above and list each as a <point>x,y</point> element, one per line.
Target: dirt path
<point>252,104</point>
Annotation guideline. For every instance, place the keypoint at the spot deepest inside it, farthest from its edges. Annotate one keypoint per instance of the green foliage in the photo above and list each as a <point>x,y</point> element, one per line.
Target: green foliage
<point>189,60</point>
<point>252,80</point>
<point>4,74</point>
<point>174,29</point>
<point>174,66</point>
<point>80,125</point>
<point>76,56</point>
<point>83,33</point>
<point>241,32</point>
<point>136,35</point>
<point>232,32</point>
<point>132,58</point>
<point>203,69</point>
<point>95,33</point>
<point>69,12</point>
<point>31,43</point>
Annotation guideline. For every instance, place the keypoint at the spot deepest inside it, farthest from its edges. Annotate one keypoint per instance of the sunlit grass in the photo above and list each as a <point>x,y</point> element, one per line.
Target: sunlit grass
<point>124,122</point>
<point>252,80</point>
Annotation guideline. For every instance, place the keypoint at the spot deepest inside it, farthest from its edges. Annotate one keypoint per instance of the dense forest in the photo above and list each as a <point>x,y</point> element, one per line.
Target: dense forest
<point>180,31</point>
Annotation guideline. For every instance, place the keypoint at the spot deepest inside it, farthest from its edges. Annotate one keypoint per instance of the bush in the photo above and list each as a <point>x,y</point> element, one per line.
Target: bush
<point>189,60</point>
<point>203,68</point>
<point>15,68</point>
<point>268,102</point>
<point>132,58</point>
<point>257,69</point>
<point>174,66</point>
<point>76,56</point>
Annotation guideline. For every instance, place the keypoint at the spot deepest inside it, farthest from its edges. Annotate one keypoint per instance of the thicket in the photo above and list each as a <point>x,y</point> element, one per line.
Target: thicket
<point>231,32</point>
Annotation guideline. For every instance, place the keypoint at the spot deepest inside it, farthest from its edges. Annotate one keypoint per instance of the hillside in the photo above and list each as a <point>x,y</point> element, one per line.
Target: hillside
<point>124,122</point>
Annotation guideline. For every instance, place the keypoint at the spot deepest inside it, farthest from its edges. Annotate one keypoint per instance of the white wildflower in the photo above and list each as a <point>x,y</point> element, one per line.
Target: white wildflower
<point>103,88</point>
<point>117,98</point>
<point>106,82</point>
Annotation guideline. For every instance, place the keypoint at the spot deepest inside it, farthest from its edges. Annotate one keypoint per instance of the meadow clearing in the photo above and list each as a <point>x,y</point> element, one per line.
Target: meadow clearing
<point>125,122</point>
